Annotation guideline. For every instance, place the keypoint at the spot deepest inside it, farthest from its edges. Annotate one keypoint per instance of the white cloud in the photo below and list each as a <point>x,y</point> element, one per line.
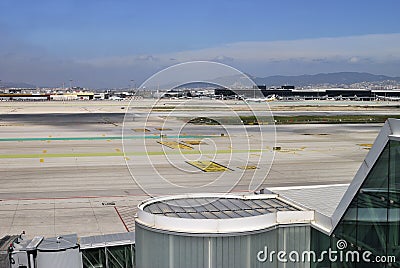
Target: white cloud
<point>379,47</point>
<point>378,54</point>
<point>383,46</point>
<point>354,60</point>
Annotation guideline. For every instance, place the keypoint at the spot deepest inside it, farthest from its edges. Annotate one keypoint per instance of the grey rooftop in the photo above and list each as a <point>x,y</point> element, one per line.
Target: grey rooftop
<point>107,240</point>
<point>59,243</point>
<point>217,208</point>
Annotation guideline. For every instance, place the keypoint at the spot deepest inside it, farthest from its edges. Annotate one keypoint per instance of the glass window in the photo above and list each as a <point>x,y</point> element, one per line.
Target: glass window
<point>394,200</point>
<point>94,258</point>
<point>319,242</point>
<point>364,226</point>
<point>373,202</point>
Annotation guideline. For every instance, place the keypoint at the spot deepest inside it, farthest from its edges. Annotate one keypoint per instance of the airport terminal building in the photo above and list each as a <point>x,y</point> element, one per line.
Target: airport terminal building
<point>356,225</point>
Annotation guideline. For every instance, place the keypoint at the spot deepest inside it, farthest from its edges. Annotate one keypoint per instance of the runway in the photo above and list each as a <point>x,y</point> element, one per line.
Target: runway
<point>61,167</point>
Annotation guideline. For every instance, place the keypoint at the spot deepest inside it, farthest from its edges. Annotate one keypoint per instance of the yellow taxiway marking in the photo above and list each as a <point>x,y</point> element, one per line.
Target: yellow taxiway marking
<point>175,145</point>
<point>368,145</point>
<point>248,167</point>
<point>141,130</point>
<point>208,166</point>
<point>111,153</point>
<point>194,142</point>
<point>288,150</point>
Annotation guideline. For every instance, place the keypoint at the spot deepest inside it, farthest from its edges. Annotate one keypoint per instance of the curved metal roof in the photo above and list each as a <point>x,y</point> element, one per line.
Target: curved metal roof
<point>221,208</point>
<point>209,214</point>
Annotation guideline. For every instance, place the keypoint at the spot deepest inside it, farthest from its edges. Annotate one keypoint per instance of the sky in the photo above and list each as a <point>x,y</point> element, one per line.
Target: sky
<point>108,43</point>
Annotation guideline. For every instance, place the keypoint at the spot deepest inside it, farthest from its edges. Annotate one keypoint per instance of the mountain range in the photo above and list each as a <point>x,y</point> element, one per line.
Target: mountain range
<point>16,85</point>
<point>339,78</point>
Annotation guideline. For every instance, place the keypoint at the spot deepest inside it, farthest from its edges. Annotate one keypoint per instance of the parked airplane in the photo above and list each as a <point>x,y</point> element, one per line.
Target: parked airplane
<point>388,98</point>
<point>268,98</point>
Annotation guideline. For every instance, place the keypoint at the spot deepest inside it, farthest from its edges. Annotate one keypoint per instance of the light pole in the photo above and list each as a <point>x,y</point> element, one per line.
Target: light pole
<point>133,84</point>
<point>70,84</point>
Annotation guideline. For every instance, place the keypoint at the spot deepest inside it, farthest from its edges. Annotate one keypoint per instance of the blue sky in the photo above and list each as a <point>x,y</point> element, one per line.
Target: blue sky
<point>109,42</point>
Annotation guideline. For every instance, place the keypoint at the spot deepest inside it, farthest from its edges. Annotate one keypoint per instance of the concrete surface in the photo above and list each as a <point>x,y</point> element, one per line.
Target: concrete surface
<point>63,169</point>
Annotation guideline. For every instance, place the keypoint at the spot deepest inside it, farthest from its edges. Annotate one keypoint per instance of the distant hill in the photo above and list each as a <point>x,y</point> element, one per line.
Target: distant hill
<point>322,78</point>
<point>339,78</point>
<point>16,85</point>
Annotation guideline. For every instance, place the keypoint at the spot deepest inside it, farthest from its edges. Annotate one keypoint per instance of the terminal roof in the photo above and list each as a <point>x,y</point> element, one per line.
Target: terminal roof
<point>217,208</point>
